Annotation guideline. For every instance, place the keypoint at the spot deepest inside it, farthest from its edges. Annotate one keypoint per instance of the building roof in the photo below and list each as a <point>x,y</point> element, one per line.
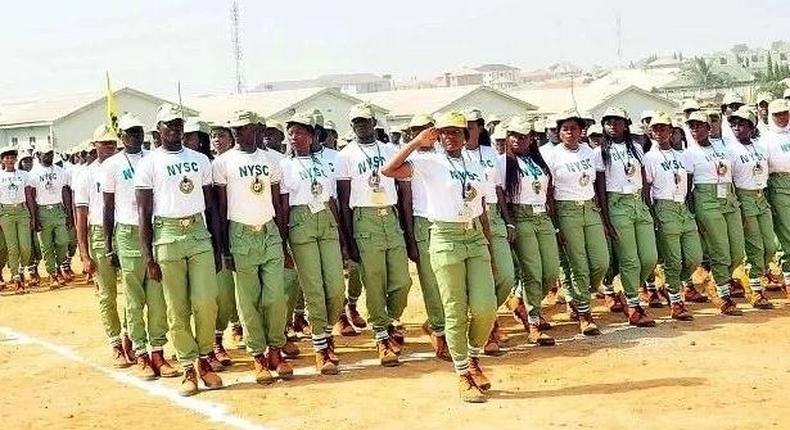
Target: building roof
<point>494,68</point>
<point>432,100</point>
<point>268,104</point>
<point>582,98</point>
<point>46,110</point>
<point>735,72</point>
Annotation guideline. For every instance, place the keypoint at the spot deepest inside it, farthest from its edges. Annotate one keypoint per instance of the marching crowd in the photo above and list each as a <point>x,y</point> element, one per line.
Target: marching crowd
<point>272,230</point>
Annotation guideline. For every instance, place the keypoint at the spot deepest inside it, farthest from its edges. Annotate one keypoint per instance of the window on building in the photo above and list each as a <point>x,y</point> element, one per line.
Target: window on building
<point>755,58</point>
<point>783,56</point>
<point>15,140</point>
<point>32,140</point>
<point>722,60</point>
<point>49,140</point>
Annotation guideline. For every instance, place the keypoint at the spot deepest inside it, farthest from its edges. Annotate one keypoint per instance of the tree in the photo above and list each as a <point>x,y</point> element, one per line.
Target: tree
<point>702,75</point>
<point>769,66</point>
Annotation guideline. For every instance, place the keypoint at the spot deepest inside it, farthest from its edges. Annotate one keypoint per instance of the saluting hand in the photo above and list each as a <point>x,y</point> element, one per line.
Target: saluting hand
<point>428,137</point>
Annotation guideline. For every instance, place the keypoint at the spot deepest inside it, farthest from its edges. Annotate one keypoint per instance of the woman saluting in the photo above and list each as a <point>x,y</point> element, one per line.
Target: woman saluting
<point>459,247</point>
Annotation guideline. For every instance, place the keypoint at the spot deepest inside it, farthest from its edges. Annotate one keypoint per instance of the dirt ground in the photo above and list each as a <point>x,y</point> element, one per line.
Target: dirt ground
<point>713,373</point>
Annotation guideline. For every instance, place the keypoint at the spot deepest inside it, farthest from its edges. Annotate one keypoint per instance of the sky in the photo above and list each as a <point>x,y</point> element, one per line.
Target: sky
<point>60,47</point>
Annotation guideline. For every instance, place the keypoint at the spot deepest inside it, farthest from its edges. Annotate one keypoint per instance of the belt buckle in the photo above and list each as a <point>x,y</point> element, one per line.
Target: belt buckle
<point>257,228</point>
<point>382,212</point>
<point>469,225</point>
<point>185,222</point>
<point>579,202</point>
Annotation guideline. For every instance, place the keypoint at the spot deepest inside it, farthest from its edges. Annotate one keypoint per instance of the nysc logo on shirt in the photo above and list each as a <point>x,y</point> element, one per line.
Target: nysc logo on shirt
<point>671,165</point>
<point>371,163</point>
<point>464,176</point>
<point>48,177</point>
<point>316,173</point>
<point>127,174</point>
<point>181,168</point>
<point>578,166</point>
<point>751,157</point>
<point>785,147</point>
<point>253,170</point>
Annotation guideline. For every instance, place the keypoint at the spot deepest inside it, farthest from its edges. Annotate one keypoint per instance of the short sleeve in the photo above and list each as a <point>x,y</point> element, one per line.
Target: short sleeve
<point>342,170</point>
<point>500,170</point>
<point>144,177</point>
<point>650,173</point>
<point>82,188</point>
<point>219,172</point>
<point>206,171</point>
<point>285,179</point>
<point>67,176</point>
<point>277,173</point>
<point>597,160</point>
<point>687,159</point>
<point>108,178</point>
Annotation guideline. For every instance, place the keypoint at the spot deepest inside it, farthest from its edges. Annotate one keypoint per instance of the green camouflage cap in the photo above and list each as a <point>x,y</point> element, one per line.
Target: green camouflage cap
<point>195,125</point>
<point>301,118</point>
<point>167,113</point>
<point>240,118</point>
<point>362,110</point>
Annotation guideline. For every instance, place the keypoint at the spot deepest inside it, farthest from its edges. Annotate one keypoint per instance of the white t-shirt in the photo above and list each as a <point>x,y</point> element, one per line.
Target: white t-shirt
<point>573,172</point>
<point>248,178</point>
<point>624,173</point>
<point>749,165</point>
<point>49,183</point>
<point>299,175</point>
<point>485,156</point>
<point>176,179</point>
<point>534,182</point>
<point>666,174</point>
<point>12,186</point>
<point>358,163</point>
<point>328,158</point>
<point>118,178</point>
<point>777,143</point>
<point>87,192</point>
<point>709,165</point>
<point>445,179</point>
<point>74,172</point>
<point>419,192</point>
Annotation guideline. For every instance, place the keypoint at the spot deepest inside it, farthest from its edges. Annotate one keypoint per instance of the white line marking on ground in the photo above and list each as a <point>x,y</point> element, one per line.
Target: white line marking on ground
<point>216,413</point>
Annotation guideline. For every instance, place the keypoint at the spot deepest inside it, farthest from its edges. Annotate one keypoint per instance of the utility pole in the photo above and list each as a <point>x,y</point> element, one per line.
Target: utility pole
<point>236,40</point>
<point>619,32</point>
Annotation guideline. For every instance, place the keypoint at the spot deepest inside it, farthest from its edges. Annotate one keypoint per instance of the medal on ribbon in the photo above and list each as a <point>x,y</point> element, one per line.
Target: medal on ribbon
<point>48,185</point>
<point>537,186</point>
<point>721,169</point>
<point>630,169</point>
<point>257,186</point>
<point>186,186</point>
<point>374,182</point>
<point>469,192</point>
<point>678,179</point>
<point>584,179</point>
<point>757,169</point>
<point>316,189</point>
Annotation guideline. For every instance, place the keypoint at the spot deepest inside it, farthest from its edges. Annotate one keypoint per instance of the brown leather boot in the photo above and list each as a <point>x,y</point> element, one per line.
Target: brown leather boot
<point>301,326</point>
<point>324,364</point>
<point>344,328</point>
<point>128,350</point>
<point>66,275</point>
<point>210,379</point>
<point>521,315</point>
<point>654,299</point>
<point>638,317</point>
<point>543,324</point>
<point>260,366</point>
<point>397,334</point>
<point>587,326</point>
<point>500,336</point>
<point>492,347</point>
<point>679,312</point>
<point>55,283</point>
<point>442,349</point>
<point>468,391</point>
<point>354,317</point>
<point>759,301</point>
<point>477,375</point>
<point>290,350</point>
<point>573,311</point>
<point>737,290</point>
<point>279,364</point>
<point>387,356</point>
<point>19,285</point>
<point>614,302</point>
<point>143,368</point>
<point>119,359</point>
<point>395,340</point>
<point>729,308</point>
<point>212,361</point>
<point>161,366</point>
<point>189,385</point>
<point>330,342</point>
<point>237,333</point>
<point>220,353</point>
<point>35,280</point>
<point>691,295</point>
<point>536,336</point>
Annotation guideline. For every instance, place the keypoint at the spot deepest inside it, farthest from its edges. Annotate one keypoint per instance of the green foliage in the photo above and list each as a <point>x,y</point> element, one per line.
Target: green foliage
<point>701,73</point>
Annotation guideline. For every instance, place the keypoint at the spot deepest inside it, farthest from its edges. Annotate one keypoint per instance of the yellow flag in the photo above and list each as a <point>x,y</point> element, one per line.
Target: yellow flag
<point>112,109</point>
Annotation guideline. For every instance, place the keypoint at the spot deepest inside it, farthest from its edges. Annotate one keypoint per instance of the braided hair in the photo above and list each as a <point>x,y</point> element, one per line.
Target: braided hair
<point>513,171</point>
<point>630,147</point>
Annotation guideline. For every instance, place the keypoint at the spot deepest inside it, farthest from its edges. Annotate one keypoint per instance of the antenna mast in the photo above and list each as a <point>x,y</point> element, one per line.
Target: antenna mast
<point>619,31</point>
<point>236,40</point>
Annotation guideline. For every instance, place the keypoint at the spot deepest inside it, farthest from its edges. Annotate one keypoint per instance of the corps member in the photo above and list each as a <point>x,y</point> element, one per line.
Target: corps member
<point>676,230</point>
<point>460,251</point>
<point>145,302</point>
<point>524,183</point>
<point>716,207</point>
<point>373,232</point>
<point>95,257</point>
<point>248,189</point>
<point>777,142</point>
<point>750,177</point>
<point>578,217</point>
<point>622,195</point>
<point>52,195</point>
<point>310,209</point>
<point>16,207</point>
<point>173,190</point>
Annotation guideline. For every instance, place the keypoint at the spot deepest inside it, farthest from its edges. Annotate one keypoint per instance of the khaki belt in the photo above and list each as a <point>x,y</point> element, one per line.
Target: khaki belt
<point>180,222</point>
<point>11,205</point>
<point>381,212</point>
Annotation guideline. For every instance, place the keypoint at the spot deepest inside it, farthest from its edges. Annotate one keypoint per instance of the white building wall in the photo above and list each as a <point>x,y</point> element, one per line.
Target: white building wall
<point>489,103</point>
<point>634,103</point>
<point>332,107</point>
<point>23,134</point>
